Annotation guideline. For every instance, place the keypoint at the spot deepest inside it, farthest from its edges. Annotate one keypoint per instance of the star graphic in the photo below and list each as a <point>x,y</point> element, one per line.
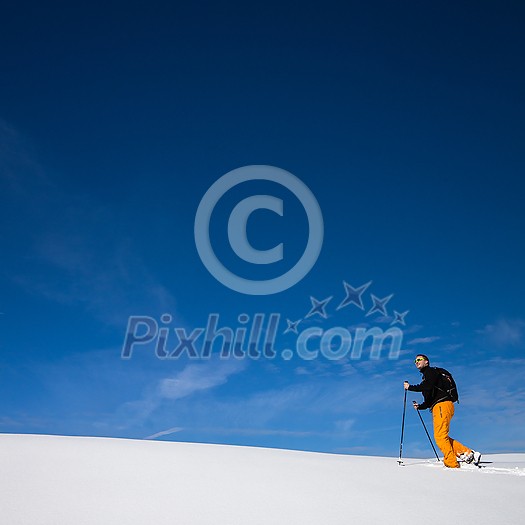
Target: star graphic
<point>353,295</point>
<point>318,307</point>
<point>399,318</point>
<point>379,304</point>
<point>292,326</point>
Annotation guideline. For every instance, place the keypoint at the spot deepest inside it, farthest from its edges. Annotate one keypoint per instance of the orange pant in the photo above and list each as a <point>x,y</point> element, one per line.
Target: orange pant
<point>442,415</point>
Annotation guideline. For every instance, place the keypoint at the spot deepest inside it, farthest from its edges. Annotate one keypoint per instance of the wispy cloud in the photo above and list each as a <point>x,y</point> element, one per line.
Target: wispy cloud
<point>167,432</point>
<point>412,329</point>
<point>98,272</point>
<point>199,377</point>
<point>505,332</point>
<point>239,431</point>
<point>341,429</point>
<point>193,379</point>
<point>70,254</point>
<point>345,425</point>
<point>493,389</point>
<point>290,411</point>
<point>17,163</point>
<point>424,340</point>
<point>453,346</point>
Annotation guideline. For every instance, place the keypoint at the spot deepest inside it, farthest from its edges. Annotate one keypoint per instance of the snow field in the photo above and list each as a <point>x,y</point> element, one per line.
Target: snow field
<point>54,480</point>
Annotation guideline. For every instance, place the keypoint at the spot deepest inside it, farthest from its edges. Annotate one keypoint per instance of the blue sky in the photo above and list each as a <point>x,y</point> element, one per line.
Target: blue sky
<point>405,122</point>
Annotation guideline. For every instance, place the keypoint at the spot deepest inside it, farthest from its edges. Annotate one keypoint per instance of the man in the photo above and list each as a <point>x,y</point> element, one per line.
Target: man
<point>441,405</point>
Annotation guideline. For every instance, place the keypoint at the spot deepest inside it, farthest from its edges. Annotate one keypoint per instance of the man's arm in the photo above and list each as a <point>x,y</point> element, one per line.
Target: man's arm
<point>426,386</point>
<point>414,388</point>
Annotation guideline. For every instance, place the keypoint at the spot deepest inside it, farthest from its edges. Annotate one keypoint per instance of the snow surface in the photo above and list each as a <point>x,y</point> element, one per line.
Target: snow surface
<point>74,480</point>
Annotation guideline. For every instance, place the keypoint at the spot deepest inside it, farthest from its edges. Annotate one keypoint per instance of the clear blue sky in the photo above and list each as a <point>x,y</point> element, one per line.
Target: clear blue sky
<point>406,123</point>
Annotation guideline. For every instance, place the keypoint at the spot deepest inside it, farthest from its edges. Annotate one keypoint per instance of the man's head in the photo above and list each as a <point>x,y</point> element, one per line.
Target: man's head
<point>421,361</point>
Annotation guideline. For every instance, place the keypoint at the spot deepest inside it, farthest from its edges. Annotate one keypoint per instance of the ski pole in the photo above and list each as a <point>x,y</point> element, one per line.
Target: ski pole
<point>402,429</point>
<point>428,436</point>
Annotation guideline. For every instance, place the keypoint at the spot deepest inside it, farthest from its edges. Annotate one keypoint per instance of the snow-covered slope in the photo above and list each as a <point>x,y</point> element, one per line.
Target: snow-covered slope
<point>67,480</point>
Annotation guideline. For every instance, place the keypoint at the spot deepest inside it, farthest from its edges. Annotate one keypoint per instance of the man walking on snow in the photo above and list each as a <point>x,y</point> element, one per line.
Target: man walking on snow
<point>441,405</point>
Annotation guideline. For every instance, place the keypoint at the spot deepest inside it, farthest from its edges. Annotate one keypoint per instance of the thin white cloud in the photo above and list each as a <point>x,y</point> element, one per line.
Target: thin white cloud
<point>18,165</point>
<point>424,340</point>
<point>261,432</point>
<point>302,371</point>
<point>194,378</point>
<point>505,332</point>
<point>72,255</point>
<point>342,428</point>
<point>345,425</point>
<point>412,329</point>
<point>453,346</point>
<point>167,432</point>
<point>198,377</point>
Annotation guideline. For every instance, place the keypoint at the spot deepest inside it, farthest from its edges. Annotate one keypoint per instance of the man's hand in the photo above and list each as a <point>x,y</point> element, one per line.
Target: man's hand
<point>415,405</point>
<point>406,384</point>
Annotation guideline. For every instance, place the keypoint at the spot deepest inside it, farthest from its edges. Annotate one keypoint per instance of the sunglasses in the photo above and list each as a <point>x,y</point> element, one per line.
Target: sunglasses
<point>419,359</point>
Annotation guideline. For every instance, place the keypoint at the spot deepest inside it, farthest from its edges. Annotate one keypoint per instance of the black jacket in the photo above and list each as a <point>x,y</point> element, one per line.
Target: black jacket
<point>429,388</point>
